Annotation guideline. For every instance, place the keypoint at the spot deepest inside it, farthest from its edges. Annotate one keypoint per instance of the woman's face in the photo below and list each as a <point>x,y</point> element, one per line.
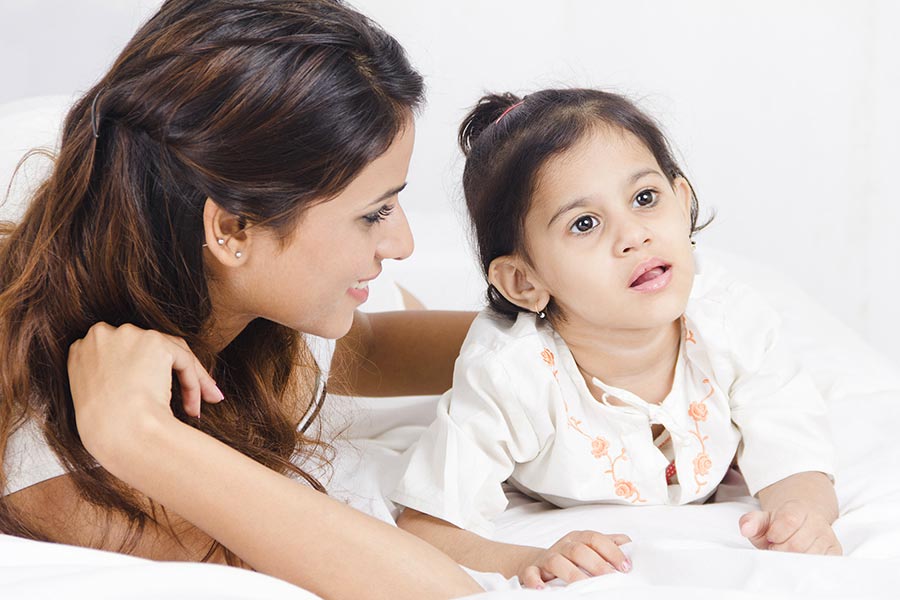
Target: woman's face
<point>609,236</point>
<point>315,280</point>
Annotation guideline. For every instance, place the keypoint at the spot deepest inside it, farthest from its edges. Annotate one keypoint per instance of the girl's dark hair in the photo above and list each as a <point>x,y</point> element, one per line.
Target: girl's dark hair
<point>507,140</point>
<point>265,106</point>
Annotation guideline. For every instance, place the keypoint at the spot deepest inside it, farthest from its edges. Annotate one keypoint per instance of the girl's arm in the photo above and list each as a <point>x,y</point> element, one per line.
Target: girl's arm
<point>400,353</point>
<point>576,556</point>
<point>120,380</point>
<point>796,516</point>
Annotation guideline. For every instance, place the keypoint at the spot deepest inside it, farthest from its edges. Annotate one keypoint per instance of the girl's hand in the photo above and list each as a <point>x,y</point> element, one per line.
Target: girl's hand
<point>793,527</point>
<point>578,555</point>
<point>120,377</point>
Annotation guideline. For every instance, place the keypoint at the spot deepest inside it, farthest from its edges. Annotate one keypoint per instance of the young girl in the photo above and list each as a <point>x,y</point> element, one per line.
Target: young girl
<point>609,367</point>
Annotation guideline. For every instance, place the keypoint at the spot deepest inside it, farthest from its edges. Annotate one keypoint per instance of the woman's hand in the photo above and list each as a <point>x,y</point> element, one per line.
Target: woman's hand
<point>121,376</point>
<point>794,527</point>
<point>577,555</point>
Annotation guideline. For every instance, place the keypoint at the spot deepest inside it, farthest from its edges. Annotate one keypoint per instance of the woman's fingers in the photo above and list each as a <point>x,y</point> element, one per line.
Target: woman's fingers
<point>197,385</point>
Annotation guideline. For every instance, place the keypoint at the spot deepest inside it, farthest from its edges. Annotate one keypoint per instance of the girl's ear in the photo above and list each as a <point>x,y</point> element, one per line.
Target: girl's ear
<point>225,236</point>
<point>683,193</point>
<point>517,284</point>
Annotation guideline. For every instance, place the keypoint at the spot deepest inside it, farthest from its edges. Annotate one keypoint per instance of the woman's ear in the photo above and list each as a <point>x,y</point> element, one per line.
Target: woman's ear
<point>226,237</point>
<point>517,283</point>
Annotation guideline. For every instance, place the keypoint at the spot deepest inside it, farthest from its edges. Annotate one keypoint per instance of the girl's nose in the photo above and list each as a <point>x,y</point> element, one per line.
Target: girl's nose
<point>397,242</point>
<point>632,236</point>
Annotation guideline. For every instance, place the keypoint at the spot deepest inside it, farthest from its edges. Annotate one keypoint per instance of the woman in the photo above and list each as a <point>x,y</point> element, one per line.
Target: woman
<point>228,186</point>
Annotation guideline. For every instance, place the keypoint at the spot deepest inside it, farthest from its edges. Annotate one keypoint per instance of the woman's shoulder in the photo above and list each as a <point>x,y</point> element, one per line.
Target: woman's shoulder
<point>28,458</point>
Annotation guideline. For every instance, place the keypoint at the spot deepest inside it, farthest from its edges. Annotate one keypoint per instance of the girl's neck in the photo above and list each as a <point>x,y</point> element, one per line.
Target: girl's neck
<point>641,361</point>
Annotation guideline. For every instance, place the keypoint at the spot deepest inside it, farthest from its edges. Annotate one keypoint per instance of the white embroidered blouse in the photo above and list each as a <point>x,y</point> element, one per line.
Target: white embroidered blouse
<point>519,410</point>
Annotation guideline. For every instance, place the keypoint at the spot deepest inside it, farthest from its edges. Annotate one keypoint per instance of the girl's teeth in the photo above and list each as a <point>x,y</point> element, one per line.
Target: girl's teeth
<point>361,285</point>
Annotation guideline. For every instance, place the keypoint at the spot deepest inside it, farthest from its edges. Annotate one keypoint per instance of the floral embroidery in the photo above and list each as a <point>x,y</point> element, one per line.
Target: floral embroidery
<point>688,334</point>
<point>599,446</point>
<point>702,462</point>
<point>550,360</point>
<point>698,411</point>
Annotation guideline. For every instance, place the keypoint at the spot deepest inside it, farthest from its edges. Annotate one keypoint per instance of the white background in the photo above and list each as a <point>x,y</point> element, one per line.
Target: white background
<point>783,111</point>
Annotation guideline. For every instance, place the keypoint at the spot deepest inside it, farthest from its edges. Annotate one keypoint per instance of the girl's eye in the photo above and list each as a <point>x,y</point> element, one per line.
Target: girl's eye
<point>646,198</point>
<point>379,215</point>
<point>584,224</point>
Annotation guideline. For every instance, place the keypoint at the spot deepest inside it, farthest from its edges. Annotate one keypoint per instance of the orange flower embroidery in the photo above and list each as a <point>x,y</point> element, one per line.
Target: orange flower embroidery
<point>625,489</point>
<point>548,357</point>
<point>688,334</point>
<point>599,447</point>
<point>702,464</point>
<point>550,360</point>
<point>698,411</point>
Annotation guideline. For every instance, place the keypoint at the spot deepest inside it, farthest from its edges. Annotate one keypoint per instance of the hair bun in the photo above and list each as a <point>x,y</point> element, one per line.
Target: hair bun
<point>484,114</point>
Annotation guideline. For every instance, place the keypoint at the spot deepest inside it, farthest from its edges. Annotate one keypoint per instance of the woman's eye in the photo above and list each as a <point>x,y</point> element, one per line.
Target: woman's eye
<point>584,224</point>
<point>646,198</point>
<point>379,215</point>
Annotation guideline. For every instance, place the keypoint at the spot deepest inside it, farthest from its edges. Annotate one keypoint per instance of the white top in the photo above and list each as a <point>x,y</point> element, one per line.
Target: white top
<point>29,459</point>
<point>520,410</point>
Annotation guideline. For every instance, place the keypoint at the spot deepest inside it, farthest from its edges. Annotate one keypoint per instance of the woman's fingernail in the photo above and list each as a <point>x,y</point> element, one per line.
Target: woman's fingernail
<point>539,587</point>
<point>626,565</point>
<point>218,391</point>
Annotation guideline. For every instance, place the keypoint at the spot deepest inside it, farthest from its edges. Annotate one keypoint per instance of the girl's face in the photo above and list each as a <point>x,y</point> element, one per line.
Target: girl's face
<point>609,237</point>
<point>315,281</point>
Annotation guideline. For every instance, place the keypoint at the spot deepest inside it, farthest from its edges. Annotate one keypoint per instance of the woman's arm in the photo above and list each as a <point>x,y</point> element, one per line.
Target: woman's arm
<point>796,516</point>
<point>120,380</point>
<point>575,556</point>
<point>400,353</point>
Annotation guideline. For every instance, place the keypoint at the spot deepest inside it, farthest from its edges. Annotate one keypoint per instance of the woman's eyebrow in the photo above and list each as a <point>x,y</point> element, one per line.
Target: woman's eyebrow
<point>388,194</point>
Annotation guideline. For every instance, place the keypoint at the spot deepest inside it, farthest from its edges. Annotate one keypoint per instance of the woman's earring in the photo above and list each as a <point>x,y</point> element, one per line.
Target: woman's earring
<point>220,241</point>
<point>693,244</point>
<point>238,254</point>
<point>541,314</point>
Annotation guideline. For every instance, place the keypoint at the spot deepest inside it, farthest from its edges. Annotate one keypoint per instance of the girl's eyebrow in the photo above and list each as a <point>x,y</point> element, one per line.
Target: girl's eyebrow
<point>578,203</point>
<point>388,194</point>
<point>566,208</point>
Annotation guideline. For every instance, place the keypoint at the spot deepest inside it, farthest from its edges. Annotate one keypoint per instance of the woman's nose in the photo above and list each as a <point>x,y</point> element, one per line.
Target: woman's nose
<point>397,242</point>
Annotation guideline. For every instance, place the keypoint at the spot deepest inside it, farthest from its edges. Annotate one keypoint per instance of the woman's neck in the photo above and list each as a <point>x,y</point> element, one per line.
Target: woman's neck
<point>641,361</point>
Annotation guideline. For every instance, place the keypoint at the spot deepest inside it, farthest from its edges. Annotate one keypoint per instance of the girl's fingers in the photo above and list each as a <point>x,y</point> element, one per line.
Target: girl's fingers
<point>589,559</point>
<point>819,546</point>
<point>531,578</point>
<point>784,525</point>
<point>561,567</point>
<point>607,547</point>
<point>619,538</point>
<point>754,526</point>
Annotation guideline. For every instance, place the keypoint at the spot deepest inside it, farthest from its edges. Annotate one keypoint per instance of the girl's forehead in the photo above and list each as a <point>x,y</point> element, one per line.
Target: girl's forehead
<point>605,156</point>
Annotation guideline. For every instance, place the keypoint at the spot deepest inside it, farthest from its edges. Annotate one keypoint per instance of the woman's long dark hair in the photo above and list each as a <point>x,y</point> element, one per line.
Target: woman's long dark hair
<point>266,107</point>
<point>507,140</point>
